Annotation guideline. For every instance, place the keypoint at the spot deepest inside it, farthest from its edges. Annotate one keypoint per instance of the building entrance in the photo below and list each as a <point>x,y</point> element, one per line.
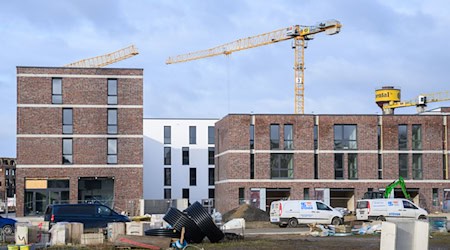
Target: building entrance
<point>39,193</point>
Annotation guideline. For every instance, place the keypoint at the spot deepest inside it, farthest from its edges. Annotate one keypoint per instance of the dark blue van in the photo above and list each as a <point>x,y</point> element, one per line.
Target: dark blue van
<point>91,215</point>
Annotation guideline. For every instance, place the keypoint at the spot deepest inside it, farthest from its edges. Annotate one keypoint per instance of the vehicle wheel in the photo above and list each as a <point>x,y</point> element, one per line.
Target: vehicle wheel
<point>336,221</point>
<point>381,218</point>
<point>282,225</point>
<point>422,217</point>
<point>293,222</point>
<point>8,230</point>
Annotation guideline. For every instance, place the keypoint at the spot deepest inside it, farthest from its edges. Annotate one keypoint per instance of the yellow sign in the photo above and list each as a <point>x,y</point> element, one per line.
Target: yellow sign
<point>387,95</point>
<point>36,184</point>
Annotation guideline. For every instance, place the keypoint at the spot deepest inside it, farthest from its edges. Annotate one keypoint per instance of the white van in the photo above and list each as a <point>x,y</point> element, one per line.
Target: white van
<point>382,209</point>
<point>294,212</point>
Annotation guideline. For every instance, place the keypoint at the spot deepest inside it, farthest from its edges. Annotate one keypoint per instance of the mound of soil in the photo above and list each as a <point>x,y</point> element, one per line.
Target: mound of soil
<point>247,212</point>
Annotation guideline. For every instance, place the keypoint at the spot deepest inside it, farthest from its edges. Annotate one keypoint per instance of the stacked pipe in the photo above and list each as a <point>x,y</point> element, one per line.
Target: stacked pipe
<point>204,221</point>
<point>178,220</point>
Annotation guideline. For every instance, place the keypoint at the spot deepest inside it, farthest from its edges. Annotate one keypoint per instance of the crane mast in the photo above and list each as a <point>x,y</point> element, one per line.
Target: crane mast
<point>103,60</point>
<point>297,32</point>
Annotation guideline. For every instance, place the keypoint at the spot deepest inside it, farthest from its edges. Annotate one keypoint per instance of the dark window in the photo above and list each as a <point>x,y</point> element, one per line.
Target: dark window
<point>252,166</point>
<point>193,176</point>
<point>345,137</point>
<point>274,136</point>
<point>167,155</point>
<point>211,134</point>
<point>112,91</point>
<point>403,165</point>
<point>352,166</point>
<point>316,135</point>
<point>316,166</point>
<point>282,166</point>
<point>211,155</point>
<point>306,193</point>
<point>192,135</point>
<point>321,206</point>
<point>252,136</point>
<point>67,151</point>
<point>241,196</point>
<point>417,137</point>
<point>185,156</point>
<point>58,184</point>
<point>211,176</point>
<point>167,177</point>
<point>417,170</point>
<point>185,194</point>
<point>57,91</point>
<point>408,205</point>
<point>167,135</point>
<point>435,197</point>
<point>379,137</point>
<point>380,167</point>
<point>112,121</point>
<point>211,193</point>
<point>167,193</point>
<point>402,137</point>
<point>112,151</point>
<point>444,166</point>
<point>288,137</point>
<point>67,121</point>
<point>338,166</point>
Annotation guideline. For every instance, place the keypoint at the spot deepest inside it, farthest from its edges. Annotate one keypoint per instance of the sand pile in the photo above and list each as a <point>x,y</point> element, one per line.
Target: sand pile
<point>247,212</point>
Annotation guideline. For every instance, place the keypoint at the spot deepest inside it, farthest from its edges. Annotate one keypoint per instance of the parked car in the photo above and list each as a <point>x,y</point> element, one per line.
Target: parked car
<point>382,209</point>
<point>294,212</point>
<point>7,225</point>
<point>91,215</point>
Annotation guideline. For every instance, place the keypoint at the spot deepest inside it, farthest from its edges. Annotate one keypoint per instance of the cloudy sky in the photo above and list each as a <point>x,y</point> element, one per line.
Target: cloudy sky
<point>400,43</point>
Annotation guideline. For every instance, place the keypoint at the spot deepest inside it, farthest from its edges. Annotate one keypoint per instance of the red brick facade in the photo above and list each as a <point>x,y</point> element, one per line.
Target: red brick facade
<point>85,90</point>
<point>233,156</point>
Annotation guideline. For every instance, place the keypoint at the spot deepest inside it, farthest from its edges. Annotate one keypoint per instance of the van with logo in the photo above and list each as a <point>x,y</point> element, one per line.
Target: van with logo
<point>382,209</point>
<point>293,212</point>
<point>91,215</point>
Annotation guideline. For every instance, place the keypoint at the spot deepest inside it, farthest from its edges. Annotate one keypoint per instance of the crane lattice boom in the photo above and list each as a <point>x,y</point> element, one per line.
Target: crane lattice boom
<point>103,60</point>
<point>297,32</point>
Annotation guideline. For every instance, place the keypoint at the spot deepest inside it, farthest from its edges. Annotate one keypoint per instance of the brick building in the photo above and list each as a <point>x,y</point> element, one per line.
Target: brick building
<point>336,158</point>
<point>79,137</point>
<point>7,178</point>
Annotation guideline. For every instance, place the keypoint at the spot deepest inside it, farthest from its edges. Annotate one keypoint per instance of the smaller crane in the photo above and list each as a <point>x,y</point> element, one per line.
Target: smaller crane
<point>388,99</point>
<point>103,60</point>
<point>388,192</point>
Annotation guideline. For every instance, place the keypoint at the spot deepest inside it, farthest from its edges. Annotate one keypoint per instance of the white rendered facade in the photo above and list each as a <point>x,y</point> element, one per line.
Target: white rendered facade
<point>197,185</point>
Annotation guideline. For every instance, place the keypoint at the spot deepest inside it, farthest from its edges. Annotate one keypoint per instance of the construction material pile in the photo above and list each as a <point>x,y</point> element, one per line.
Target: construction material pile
<point>249,213</point>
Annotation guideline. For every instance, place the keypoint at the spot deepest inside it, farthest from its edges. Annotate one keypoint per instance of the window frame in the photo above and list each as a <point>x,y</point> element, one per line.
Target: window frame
<point>67,128</point>
<point>185,156</point>
<point>341,142</point>
<point>167,156</point>
<point>417,167</point>
<point>274,136</point>
<point>211,176</point>
<point>338,169</point>
<point>54,94</point>
<point>112,98</point>
<point>402,137</point>
<point>192,135</point>
<point>192,176</point>
<point>416,137</point>
<point>211,154</point>
<point>167,177</point>
<point>288,142</point>
<point>167,135</point>
<point>67,157</point>
<point>113,127</point>
<point>403,169</point>
<point>211,135</point>
<point>277,168</point>
<point>352,168</point>
<point>112,157</point>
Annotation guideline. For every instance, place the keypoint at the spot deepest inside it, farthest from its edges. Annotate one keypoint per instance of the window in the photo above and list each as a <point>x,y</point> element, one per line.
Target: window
<point>306,193</point>
<point>211,134</point>
<point>112,121</point>
<point>167,177</point>
<point>274,136</point>
<point>167,193</point>
<point>416,137</point>
<point>435,197</point>
<point>379,137</point>
<point>444,166</point>
<point>402,137</point>
<point>380,167</point>
<point>67,121</point>
<point>316,166</point>
<point>211,193</point>
<point>321,206</point>
<point>417,170</point>
<point>57,91</point>
<point>167,155</point>
<point>409,205</point>
<point>288,137</point>
<point>192,176</point>
<point>185,193</point>
<point>316,135</point>
<point>252,166</point>
<point>352,166</point>
<point>185,156</point>
<point>345,137</point>
<point>167,135</point>
<point>241,196</point>
<point>112,91</point>
<point>112,151</point>
<point>67,151</point>
<point>403,165</point>
<point>211,155</point>
<point>252,136</point>
<point>211,176</point>
<point>192,135</point>
<point>339,166</point>
<point>282,166</point>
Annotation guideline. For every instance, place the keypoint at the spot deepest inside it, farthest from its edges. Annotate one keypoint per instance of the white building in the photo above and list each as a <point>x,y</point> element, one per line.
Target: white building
<point>179,158</point>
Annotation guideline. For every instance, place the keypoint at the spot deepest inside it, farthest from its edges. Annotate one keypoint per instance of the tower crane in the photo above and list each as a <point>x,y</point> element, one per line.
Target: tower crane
<point>299,33</point>
<point>103,60</point>
<point>388,99</point>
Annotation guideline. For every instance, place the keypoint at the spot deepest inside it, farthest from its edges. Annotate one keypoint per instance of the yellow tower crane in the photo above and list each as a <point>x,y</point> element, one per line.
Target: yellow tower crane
<point>103,60</point>
<point>388,99</point>
<point>299,33</point>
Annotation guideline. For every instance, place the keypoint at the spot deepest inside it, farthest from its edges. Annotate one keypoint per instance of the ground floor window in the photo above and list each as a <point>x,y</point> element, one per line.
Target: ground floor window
<point>96,190</point>
<point>39,193</point>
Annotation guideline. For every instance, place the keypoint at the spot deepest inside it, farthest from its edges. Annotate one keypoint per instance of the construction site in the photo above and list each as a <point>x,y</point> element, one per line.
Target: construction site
<point>92,172</point>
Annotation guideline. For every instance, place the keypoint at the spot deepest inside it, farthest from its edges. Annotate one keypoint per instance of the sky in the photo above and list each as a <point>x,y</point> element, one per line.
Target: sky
<point>393,42</point>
